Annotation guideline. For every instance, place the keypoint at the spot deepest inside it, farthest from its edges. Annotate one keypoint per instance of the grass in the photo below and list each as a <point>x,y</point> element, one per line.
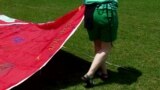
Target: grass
<point>137,46</point>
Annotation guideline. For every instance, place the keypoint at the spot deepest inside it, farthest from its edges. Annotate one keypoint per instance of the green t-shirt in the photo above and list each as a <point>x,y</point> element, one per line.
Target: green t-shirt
<point>96,1</point>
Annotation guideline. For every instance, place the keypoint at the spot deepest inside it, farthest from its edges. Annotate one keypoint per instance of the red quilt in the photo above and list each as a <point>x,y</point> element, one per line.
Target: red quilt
<point>26,47</point>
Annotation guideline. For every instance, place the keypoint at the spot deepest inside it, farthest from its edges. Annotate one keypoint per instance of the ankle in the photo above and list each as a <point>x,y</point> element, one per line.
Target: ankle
<point>88,76</point>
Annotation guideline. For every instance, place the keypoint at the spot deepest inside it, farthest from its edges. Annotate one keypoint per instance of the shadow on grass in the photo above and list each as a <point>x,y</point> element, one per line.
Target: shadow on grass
<point>125,75</point>
<point>65,70</point>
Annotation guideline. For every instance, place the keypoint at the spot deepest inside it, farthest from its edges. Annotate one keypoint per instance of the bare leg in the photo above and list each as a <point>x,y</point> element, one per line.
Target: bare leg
<point>103,68</point>
<point>99,56</point>
<point>97,46</point>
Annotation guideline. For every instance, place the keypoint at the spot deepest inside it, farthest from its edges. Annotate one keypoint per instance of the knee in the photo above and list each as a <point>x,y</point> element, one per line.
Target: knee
<point>102,52</point>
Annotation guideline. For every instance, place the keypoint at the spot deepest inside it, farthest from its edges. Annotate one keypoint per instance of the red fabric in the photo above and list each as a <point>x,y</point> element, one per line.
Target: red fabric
<point>26,48</point>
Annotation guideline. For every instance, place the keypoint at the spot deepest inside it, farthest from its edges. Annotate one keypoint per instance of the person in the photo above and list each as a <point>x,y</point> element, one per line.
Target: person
<point>101,22</point>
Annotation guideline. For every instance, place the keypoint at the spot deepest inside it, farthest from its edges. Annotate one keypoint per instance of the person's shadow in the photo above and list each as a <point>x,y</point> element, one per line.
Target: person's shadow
<point>66,70</point>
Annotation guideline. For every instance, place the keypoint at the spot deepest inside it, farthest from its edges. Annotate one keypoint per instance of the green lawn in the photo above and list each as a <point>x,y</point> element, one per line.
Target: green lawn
<point>137,46</point>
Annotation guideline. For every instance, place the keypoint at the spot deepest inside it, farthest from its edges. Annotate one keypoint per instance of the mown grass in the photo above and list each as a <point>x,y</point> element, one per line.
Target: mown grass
<point>137,45</point>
